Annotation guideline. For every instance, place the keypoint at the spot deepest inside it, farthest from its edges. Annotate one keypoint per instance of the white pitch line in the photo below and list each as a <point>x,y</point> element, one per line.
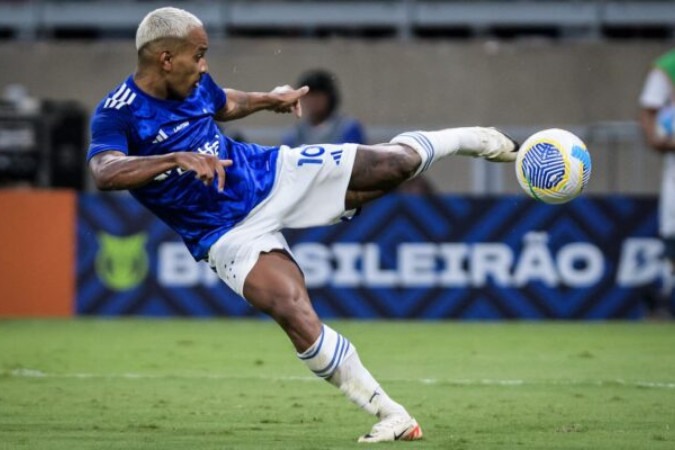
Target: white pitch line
<point>33,373</point>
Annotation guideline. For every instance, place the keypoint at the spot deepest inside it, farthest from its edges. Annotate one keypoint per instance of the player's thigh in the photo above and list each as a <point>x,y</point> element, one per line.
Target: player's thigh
<point>275,285</point>
<point>356,199</point>
<point>274,275</point>
<point>382,167</point>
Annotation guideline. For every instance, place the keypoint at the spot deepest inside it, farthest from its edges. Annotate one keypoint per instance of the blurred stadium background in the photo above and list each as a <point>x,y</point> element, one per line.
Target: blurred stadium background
<point>476,248</point>
<point>407,64</point>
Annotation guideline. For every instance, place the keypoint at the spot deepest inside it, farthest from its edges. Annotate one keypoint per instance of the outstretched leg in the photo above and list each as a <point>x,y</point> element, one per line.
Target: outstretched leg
<point>275,286</point>
<point>380,168</point>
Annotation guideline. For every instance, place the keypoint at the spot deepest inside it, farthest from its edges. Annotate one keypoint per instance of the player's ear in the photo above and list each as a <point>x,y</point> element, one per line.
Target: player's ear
<point>165,60</point>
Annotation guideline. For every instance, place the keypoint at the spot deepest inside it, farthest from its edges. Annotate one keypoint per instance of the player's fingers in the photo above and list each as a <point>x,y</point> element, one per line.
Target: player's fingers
<point>201,177</point>
<point>220,171</point>
<point>302,91</point>
<point>206,173</point>
<point>282,89</point>
<point>225,162</point>
<point>297,109</point>
<point>204,177</point>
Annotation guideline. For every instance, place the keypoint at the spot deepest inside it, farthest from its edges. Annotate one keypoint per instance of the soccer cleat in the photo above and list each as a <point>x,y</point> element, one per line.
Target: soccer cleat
<point>399,427</point>
<point>496,146</point>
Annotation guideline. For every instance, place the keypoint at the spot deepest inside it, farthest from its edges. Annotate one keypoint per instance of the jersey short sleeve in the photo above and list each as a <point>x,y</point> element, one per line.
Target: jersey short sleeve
<point>216,93</point>
<point>657,90</point>
<point>109,131</point>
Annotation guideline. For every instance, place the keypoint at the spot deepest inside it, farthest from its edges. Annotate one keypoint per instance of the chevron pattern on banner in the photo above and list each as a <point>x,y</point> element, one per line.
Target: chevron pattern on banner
<point>405,257</point>
<point>118,218</point>
<point>601,224</point>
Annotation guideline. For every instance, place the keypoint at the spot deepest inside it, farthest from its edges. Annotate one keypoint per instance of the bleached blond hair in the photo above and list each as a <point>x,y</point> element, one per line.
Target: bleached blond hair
<point>165,22</point>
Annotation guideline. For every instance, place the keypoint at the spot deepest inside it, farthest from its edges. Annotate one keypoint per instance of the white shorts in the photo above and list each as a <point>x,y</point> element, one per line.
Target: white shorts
<point>667,198</point>
<point>309,190</point>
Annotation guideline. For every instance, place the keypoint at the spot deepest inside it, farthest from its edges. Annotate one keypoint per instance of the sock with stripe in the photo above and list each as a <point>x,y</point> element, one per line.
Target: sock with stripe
<point>335,359</point>
<point>434,145</point>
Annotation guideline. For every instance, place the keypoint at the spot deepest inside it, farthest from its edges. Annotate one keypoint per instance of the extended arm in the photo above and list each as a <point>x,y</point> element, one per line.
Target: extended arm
<point>656,93</point>
<point>283,99</point>
<point>114,170</point>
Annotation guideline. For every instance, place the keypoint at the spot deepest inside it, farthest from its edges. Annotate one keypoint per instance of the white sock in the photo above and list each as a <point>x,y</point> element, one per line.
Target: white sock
<point>434,145</point>
<point>335,359</point>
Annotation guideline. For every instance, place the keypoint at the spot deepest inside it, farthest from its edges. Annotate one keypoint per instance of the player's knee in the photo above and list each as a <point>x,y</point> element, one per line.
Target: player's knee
<point>403,161</point>
<point>287,305</point>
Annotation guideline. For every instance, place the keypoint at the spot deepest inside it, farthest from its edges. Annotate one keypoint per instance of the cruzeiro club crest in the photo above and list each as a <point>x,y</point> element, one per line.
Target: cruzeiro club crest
<point>122,261</point>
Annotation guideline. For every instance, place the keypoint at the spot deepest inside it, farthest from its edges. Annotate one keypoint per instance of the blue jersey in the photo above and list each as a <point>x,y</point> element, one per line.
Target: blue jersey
<point>132,122</point>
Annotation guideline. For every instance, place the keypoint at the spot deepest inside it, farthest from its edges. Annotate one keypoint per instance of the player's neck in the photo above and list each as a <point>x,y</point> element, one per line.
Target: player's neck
<point>151,83</point>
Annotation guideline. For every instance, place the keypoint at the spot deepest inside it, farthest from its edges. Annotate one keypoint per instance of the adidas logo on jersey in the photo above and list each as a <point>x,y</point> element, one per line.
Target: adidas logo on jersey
<point>337,156</point>
<point>161,136</point>
<point>122,97</point>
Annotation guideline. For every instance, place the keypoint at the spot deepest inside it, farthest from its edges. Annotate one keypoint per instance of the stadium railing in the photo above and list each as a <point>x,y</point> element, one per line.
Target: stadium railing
<point>402,18</point>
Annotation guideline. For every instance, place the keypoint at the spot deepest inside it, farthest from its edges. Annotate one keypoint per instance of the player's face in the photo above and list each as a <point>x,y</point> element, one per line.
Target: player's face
<point>315,106</point>
<point>188,64</point>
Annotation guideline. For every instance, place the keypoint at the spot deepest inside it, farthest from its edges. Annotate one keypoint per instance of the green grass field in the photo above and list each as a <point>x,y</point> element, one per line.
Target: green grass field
<point>214,384</point>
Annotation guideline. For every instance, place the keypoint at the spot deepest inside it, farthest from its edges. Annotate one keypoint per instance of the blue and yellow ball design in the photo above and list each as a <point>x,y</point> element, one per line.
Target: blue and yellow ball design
<point>553,166</point>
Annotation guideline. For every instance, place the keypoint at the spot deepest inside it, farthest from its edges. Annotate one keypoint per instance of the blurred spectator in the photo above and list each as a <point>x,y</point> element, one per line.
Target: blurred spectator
<point>657,117</point>
<point>17,96</point>
<point>322,122</point>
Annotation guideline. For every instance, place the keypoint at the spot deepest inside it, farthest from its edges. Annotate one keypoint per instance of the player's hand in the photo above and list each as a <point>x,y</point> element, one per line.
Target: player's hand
<point>205,167</point>
<point>287,99</point>
<point>662,144</point>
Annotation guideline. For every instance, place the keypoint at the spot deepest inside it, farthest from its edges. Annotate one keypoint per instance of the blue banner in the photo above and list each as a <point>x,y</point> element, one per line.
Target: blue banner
<point>406,257</point>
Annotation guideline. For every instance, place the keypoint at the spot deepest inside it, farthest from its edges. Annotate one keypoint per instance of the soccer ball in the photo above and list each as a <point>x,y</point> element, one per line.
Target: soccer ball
<point>553,166</point>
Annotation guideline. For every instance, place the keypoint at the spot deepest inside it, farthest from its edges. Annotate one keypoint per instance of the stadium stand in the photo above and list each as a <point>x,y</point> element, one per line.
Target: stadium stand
<point>602,22</point>
<point>378,18</point>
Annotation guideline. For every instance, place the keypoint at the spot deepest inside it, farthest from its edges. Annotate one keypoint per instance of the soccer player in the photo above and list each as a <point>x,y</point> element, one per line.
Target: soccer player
<point>658,99</point>
<point>156,135</point>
